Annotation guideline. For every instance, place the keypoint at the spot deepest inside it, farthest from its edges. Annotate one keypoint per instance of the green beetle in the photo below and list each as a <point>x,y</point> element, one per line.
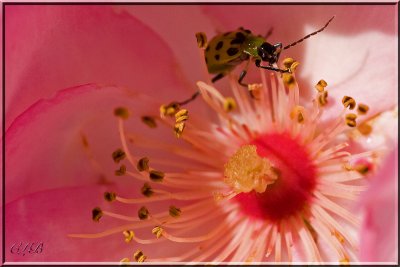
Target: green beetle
<point>227,50</point>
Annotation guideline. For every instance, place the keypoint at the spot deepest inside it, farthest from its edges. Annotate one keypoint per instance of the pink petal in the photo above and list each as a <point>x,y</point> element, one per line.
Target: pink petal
<point>44,145</point>
<point>36,218</point>
<point>53,47</point>
<point>178,31</point>
<point>346,54</point>
<point>380,203</point>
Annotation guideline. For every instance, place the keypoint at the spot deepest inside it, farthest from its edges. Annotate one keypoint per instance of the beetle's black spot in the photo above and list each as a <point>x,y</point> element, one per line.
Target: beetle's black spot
<point>216,57</point>
<point>227,33</point>
<point>236,41</point>
<point>206,59</point>
<point>240,36</point>
<point>219,45</point>
<point>232,51</point>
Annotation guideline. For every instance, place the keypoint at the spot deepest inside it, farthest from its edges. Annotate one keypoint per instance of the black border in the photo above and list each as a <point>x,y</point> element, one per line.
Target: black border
<point>4,4</point>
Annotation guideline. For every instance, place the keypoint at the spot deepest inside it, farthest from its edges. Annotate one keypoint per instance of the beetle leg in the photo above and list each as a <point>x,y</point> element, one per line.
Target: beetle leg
<point>217,77</point>
<point>258,64</point>
<point>243,74</point>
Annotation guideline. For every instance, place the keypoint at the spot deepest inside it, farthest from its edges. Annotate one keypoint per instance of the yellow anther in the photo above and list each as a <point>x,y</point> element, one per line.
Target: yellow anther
<point>229,104</point>
<point>125,261</point>
<point>344,261</point>
<point>218,196</point>
<point>129,235</point>
<point>347,167</point>
<point>157,231</point>
<point>143,164</point>
<point>143,213</point>
<point>182,112</point>
<point>139,256</point>
<point>147,190</point>
<point>297,113</point>
<point>320,86</point>
<point>362,168</point>
<point>246,171</point>
<point>362,109</point>
<point>110,196</point>
<point>289,80</point>
<point>365,128</point>
<point>121,171</point>
<point>169,110</point>
<point>174,211</point>
<point>349,102</point>
<point>323,98</point>
<point>118,155</point>
<point>122,112</point>
<point>351,119</point>
<point>201,38</point>
<point>255,90</point>
<point>97,213</point>
<point>149,121</point>
<point>178,129</point>
<point>287,62</point>
<point>156,176</point>
<point>294,66</point>
<point>339,236</point>
<point>290,63</point>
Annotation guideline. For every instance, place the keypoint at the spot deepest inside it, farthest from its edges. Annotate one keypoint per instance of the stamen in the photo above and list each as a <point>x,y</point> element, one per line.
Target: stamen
<point>125,261</point>
<point>169,110</point>
<point>118,155</point>
<point>201,38</point>
<point>143,164</point>
<point>349,102</point>
<point>121,171</point>
<point>156,176</point>
<point>122,112</point>
<point>344,261</point>
<point>320,86</point>
<point>364,128</point>
<point>229,104</point>
<point>362,109</point>
<point>255,90</point>
<point>143,213</point>
<point>129,235</point>
<point>289,80</point>
<point>157,231</point>
<point>174,211</point>
<point>178,129</point>
<point>110,196</point>
<point>246,171</point>
<point>96,214</point>
<point>323,98</point>
<point>149,121</point>
<point>139,256</point>
<point>181,115</point>
<point>351,120</point>
<point>298,114</point>
<point>146,190</point>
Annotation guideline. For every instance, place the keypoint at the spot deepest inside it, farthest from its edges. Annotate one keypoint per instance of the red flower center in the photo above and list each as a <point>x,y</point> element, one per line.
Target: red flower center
<point>293,189</point>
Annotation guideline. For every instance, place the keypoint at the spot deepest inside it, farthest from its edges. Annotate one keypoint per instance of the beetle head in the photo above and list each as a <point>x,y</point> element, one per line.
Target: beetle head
<point>270,53</point>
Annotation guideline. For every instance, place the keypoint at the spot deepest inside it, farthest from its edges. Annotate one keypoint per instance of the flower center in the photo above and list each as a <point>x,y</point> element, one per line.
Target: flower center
<point>292,191</point>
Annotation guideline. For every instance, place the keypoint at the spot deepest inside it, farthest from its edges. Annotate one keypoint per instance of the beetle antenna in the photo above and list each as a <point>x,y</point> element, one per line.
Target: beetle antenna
<point>308,36</point>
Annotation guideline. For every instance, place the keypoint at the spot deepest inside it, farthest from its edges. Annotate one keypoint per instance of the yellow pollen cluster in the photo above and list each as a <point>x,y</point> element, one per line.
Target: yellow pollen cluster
<point>288,78</point>
<point>246,171</point>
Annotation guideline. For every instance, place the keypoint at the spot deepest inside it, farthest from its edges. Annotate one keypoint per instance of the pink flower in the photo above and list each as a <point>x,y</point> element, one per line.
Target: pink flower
<point>59,146</point>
